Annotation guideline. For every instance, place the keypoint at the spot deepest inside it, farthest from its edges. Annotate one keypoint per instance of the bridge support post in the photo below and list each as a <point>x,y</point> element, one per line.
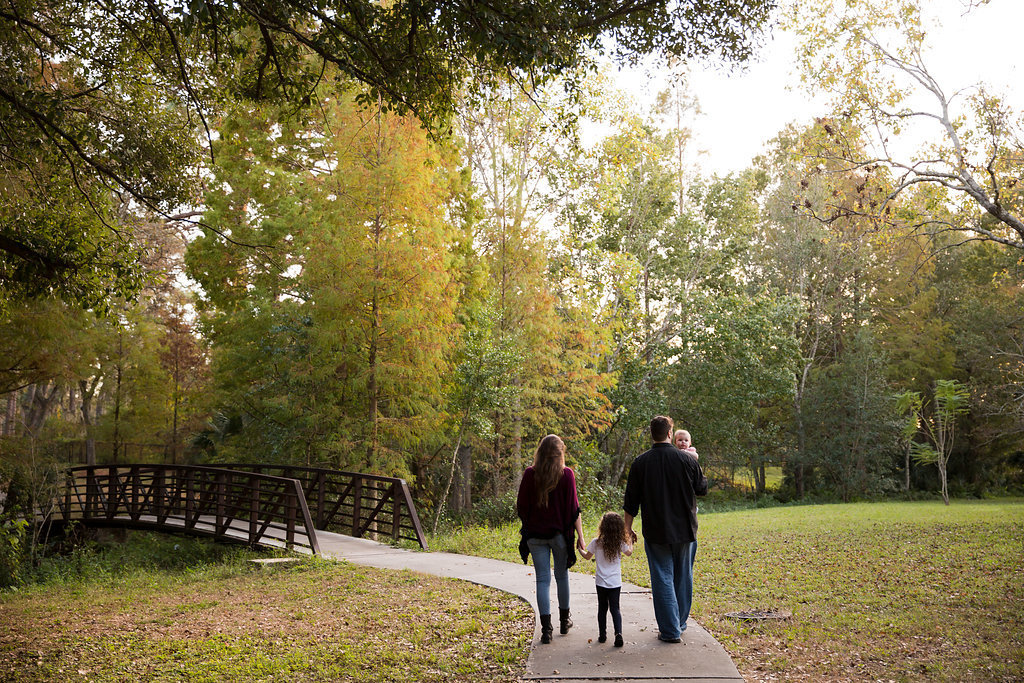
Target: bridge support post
<point>254,512</point>
<point>357,505</point>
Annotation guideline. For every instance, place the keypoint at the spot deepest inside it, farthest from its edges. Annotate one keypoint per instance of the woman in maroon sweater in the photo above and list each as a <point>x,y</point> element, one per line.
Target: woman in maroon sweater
<point>550,510</point>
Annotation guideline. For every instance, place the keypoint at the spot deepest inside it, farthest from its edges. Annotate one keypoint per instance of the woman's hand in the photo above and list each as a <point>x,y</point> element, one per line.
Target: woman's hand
<point>581,545</point>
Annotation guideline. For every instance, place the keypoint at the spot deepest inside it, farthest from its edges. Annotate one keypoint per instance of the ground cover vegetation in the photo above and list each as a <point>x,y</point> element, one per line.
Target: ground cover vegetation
<point>228,235</point>
<point>161,608</point>
<point>905,591</point>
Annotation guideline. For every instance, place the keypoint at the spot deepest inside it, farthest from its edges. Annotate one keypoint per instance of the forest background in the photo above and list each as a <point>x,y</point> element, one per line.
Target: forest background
<point>225,238</point>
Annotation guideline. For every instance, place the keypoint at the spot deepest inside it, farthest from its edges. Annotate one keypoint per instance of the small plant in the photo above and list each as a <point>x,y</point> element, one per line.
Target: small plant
<point>12,550</point>
<point>951,401</point>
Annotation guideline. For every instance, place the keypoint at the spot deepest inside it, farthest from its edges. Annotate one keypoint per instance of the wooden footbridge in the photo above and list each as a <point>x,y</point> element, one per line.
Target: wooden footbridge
<point>275,506</point>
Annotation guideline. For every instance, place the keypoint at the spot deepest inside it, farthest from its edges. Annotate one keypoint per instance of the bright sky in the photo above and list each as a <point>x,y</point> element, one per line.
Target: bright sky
<point>742,111</point>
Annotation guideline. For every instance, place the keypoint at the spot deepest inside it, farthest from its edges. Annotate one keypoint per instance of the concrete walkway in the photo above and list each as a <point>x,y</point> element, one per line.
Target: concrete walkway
<point>576,656</point>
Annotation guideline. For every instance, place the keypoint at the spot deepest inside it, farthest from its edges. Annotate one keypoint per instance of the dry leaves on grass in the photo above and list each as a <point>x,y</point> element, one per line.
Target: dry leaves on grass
<point>326,617</point>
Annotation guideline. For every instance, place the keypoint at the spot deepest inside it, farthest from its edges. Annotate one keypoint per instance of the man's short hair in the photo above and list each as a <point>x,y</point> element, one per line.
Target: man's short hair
<point>661,427</point>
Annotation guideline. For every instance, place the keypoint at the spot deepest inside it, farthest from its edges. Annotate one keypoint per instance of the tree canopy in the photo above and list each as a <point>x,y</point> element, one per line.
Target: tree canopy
<point>115,98</point>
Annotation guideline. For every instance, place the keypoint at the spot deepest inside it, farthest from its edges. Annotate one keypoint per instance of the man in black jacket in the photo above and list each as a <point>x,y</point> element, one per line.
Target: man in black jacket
<point>663,486</point>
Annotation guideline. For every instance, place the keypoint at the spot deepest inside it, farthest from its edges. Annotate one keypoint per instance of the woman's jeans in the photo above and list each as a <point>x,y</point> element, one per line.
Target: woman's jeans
<point>671,566</point>
<point>542,550</point>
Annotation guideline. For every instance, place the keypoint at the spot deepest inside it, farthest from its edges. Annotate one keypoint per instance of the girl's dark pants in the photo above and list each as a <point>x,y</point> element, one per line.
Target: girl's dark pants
<point>608,599</point>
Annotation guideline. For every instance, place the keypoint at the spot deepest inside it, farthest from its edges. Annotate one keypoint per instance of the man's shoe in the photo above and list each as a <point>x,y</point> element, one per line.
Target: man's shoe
<point>666,639</point>
<point>602,637</point>
<point>618,640</point>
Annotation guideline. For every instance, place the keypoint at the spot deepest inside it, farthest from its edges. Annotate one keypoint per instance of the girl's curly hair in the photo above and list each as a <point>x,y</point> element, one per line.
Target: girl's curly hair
<point>611,534</point>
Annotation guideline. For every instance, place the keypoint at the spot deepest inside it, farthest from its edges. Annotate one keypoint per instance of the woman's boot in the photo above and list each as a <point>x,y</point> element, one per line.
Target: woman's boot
<point>545,628</point>
<point>564,621</point>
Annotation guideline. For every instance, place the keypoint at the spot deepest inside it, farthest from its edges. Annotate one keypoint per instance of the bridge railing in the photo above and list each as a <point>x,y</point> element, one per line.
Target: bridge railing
<point>352,503</point>
<point>259,509</point>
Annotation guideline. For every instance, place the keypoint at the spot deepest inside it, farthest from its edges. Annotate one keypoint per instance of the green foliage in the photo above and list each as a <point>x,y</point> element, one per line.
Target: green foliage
<point>56,244</point>
<point>500,541</point>
<point>373,297</point>
<point>74,191</point>
<point>159,77</point>
<point>75,558</point>
<point>335,345</point>
<point>492,511</point>
<point>950,402</point>
<point>853,434</point>
<point>556,387</point>
<point>923,453</point>
<point>596,493</point>
<point>44,340</point>
<point>13,534</point>
<point>982,288</point>
<point>738,362</point>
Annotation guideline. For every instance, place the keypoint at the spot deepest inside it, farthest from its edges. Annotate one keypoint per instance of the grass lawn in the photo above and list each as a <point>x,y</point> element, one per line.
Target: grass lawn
<point>877,591</point>
<point>228,620</point>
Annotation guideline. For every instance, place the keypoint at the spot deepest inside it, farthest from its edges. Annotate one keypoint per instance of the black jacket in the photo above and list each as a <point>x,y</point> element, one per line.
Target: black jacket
<point>662,488</point>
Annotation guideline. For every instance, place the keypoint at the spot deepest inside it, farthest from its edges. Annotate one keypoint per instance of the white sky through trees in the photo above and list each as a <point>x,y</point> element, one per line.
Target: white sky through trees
<point>741,111</point>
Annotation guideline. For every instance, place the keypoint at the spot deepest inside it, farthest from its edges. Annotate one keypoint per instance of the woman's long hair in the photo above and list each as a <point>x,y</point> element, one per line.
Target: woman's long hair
<point>548,463</point>
<point>610,535</point>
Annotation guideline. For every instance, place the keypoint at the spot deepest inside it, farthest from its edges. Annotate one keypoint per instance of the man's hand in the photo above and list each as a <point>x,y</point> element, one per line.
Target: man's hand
<point>628,518</point>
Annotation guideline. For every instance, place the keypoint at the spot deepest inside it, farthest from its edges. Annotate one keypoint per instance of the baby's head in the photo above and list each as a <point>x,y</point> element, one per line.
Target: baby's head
<point>681,439</point>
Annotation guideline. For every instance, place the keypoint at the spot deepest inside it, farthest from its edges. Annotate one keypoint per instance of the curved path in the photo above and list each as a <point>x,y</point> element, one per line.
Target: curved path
<point>576,656</point>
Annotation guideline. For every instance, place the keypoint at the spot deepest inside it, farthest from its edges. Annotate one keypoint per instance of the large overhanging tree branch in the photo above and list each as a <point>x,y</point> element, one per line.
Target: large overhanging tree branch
<point>125,95</point>
<point>869,56</point>
<point>415,55</point>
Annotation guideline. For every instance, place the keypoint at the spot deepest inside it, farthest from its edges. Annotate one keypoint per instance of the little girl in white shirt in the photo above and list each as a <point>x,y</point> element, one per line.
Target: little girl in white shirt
<point>608,548</point>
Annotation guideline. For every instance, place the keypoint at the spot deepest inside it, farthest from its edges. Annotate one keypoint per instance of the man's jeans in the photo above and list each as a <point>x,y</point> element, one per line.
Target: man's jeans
<point>542,550</point>
<point>671,566</point>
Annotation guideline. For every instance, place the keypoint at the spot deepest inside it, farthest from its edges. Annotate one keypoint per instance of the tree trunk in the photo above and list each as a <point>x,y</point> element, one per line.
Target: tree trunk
<point>801,433</point>
<point>517,442</point>
<point>375,324</point>
<point>466,480</point>
<point>943,480</point>
<point>906,470</point>
<point>451,473</point>
<point>371,387</point>
<point>11,414</point>
<point>177,401</point>
<point>117,394</point>
<point>27,401</point>
<point>86,407</point>
<point>37,409</point>
<point>496,457</point>
<point>647,317</point>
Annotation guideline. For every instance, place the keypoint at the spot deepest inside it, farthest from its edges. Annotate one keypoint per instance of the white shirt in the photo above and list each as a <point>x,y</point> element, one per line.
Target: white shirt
<point>609,572</point>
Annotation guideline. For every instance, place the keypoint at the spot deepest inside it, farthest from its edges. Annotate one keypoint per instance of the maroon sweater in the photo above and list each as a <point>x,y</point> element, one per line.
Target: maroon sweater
<point>561,511</point>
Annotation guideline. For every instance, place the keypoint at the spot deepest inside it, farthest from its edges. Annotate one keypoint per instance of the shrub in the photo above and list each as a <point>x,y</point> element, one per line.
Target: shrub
<point>12,551</point>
